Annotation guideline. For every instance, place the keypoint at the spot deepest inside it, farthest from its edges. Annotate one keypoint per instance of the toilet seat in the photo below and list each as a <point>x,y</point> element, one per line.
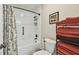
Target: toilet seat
<point>42,52</point>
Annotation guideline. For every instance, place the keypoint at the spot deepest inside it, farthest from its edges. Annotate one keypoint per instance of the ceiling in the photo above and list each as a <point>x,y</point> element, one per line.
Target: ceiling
<point>27,6</point>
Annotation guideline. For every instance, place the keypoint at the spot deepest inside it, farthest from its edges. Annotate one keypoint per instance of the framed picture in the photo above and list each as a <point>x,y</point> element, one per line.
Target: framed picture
<point>53,18</point>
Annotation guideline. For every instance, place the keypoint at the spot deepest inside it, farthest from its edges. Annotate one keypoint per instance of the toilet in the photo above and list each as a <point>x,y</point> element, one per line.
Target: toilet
<point>49,48</point>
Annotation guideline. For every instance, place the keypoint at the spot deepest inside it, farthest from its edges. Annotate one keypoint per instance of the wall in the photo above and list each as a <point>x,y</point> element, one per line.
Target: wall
<point>48,30</point>
<point>1,28</point>
<point>26,42</point>
<point>39,10</point>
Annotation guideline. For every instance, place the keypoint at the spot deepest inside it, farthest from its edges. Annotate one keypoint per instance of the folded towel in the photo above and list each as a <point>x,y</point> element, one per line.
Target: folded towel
<point>70,21</point>
<point>72,31</point>
<point>67,48</point>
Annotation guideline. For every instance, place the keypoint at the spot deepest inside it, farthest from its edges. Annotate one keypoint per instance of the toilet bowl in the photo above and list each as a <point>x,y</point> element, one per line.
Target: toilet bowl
<point>49,48</point>
<point>42,52</point>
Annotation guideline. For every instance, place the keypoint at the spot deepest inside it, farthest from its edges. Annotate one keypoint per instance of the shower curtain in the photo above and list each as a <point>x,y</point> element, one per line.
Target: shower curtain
<point>9,35</point>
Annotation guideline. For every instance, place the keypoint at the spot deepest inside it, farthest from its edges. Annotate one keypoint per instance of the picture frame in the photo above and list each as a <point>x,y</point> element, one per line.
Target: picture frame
<point>53,18</point>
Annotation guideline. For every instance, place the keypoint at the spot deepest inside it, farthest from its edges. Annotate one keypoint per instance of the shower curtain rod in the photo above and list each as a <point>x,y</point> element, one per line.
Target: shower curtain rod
<point>26,10</point>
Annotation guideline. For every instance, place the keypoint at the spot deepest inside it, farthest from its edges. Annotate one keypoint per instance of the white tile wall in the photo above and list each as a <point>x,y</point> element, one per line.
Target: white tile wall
<point>26,43</point>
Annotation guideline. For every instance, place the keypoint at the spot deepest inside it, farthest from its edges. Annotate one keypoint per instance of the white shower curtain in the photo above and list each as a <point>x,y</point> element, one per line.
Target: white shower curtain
<point>9,31</point>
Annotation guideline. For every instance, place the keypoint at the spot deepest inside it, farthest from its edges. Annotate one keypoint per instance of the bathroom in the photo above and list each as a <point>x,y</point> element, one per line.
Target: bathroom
<point>31,29</point>
<point>30,39</point>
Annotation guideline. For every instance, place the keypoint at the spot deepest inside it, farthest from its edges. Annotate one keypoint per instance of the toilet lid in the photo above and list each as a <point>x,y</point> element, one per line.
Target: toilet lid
<point>42,52</point>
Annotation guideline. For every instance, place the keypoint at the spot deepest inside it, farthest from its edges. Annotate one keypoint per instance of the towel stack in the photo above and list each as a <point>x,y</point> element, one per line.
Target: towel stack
<point>68,38</point>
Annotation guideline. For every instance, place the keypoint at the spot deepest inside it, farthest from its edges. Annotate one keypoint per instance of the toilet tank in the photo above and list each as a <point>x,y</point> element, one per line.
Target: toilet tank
<point>50,45</point>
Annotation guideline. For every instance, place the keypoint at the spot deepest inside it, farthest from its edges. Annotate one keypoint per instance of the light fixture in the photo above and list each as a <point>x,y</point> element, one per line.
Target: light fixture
<point>21,14</point>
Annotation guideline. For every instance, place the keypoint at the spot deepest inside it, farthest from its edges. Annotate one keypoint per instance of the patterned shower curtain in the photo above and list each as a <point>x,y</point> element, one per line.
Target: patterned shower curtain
<point>9,35</point>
